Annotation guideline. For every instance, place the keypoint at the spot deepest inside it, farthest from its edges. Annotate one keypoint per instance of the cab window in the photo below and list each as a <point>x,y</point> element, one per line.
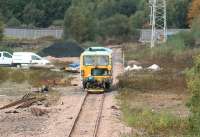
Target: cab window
<point>102,60</point>
<point>35,57</point>
<point>0,55</point>
<point>89,60</point>
<point>7,55</point>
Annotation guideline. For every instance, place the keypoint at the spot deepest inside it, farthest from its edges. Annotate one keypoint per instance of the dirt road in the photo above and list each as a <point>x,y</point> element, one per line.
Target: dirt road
<point>58,122</point>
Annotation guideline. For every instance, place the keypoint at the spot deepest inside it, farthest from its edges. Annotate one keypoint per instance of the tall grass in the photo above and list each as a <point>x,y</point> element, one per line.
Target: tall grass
<point>153,81</point>
<point>154,123</point>
<point>33,77</point>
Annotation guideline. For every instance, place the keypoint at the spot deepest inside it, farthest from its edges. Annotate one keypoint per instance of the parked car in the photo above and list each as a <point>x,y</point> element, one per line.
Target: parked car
<point>21,58</point>
<point>75,67</point>
<point>5,58</point>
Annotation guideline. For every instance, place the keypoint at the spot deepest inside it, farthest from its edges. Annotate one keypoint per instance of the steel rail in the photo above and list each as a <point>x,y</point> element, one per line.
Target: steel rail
<point>98,120</point>
<point>77,117</point>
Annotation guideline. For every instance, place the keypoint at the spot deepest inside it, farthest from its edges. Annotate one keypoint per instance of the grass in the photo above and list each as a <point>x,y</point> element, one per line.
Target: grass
<point>147,81</point>
<point>154,123</point>
<point>151,112</point>
<point>34,77</point>
<point>163,55</point>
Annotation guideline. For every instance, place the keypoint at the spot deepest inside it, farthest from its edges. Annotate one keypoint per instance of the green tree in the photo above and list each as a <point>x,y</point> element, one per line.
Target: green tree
<point>78,24</point>
<point>177,13</point>
<point>13,22</point>
<point>32,15</point>
<point>195,29</point>
<point>115,26</point>
<point>1,30</point>
<point>138,20</point>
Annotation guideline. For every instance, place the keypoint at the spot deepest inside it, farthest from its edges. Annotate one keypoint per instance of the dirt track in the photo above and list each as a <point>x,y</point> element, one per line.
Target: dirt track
<point>58,122</point>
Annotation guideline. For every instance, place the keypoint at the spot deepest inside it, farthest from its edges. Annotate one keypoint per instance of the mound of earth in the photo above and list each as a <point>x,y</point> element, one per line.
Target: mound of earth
<point>62,49</point>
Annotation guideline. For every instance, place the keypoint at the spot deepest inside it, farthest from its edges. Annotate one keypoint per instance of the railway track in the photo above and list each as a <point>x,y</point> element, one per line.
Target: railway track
<point>87,121</point>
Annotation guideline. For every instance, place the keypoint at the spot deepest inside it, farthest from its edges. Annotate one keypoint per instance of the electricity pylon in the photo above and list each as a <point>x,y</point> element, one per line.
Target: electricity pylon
<point>158,21</point>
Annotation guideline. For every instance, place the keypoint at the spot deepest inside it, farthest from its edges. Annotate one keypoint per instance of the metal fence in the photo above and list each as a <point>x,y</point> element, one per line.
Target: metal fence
<point>32,33</point>
<point>145,34</point>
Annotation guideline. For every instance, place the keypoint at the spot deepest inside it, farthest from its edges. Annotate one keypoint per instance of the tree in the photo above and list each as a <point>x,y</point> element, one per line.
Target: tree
<point>194,11</point>
<point>115,26</point>
<point>78,24</point>
<point>195,29</point>
<point>13,22</point>
<point>1,30</point>
<point>177,13</point>
<point>32,15</point>
<point>126,7</point>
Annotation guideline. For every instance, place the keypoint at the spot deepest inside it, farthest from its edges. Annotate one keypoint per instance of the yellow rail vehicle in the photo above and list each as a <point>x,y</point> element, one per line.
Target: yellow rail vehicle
<point>96,69</point>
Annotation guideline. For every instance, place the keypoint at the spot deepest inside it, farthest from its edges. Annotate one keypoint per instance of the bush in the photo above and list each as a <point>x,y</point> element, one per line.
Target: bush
<point>194,101</point>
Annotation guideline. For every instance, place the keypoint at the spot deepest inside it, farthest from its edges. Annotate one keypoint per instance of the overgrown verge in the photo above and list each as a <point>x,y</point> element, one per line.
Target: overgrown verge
<point>152,116</point>
<point>33,77</point>
<point>151,123</point>
<point>194,101</point>
<point>148,81</point>
<point>149,101</point>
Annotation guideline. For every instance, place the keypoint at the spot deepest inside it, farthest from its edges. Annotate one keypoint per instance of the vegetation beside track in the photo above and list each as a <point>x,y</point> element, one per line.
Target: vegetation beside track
<point>156,103</point>
<point>34,77</point>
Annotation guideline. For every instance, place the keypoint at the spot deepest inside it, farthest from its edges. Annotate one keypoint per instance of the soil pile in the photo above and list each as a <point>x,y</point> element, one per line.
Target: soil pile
<point>62,49</point>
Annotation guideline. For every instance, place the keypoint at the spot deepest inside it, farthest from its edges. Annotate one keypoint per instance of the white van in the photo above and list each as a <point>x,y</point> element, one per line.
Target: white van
<point>5,58</point>
<point>20,58</point>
